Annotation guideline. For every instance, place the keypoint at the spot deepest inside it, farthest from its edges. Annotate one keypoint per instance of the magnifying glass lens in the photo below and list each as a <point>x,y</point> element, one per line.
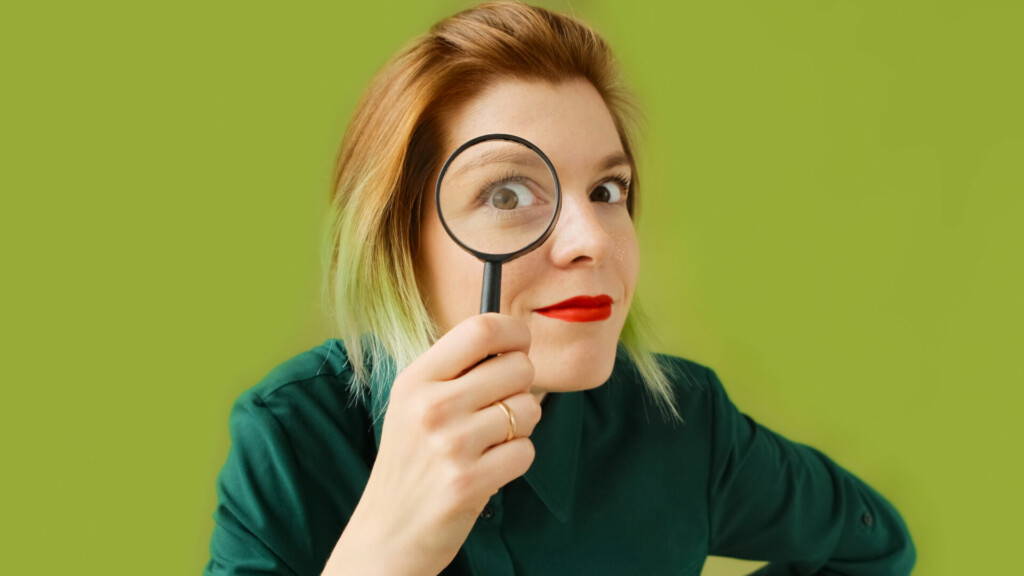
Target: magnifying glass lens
<point>497,196</point>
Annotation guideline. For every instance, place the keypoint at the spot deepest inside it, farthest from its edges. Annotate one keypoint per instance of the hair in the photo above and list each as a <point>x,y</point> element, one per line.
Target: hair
<point>391,149</point>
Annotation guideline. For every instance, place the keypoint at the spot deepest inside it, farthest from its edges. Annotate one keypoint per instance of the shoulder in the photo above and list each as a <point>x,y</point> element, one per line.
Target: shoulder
<point>688,372</point>
<point>303,394</point>
<point>690,379</point>
<point>699,383</point>
<point>322,363</point>
<point>690,382</point>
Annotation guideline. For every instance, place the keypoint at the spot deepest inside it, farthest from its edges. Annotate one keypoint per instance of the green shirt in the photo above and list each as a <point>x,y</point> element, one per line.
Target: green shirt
<point>614,488</point>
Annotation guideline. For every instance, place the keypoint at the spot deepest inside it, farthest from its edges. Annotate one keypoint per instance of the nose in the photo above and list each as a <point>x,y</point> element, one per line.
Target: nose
<point>580,235</point>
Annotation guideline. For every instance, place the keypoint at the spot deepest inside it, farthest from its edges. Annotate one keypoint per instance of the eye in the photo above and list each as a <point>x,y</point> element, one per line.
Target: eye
<point>613,190</point>
<point>510,195</point>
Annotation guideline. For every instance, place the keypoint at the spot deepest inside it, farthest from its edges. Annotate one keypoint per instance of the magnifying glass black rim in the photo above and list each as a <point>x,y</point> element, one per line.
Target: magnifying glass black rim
<point>554,217</point>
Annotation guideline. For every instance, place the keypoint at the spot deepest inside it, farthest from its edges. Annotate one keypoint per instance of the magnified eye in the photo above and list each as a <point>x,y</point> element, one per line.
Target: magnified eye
<point>511,195</point>
<point>612,191</point>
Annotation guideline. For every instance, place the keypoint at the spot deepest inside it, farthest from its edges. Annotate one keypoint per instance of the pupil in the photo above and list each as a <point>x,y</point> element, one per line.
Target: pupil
<point>602,194</point>
<point>505,199</point>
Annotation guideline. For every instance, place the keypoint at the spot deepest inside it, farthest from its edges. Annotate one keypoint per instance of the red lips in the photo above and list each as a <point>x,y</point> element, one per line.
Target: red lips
<point>581,302</point>
<point>580,309</point>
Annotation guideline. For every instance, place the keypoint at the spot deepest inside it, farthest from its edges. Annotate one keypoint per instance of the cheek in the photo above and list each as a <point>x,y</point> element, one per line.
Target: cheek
<point>519,276</point>
<point>448,263</point>
<point>452,276</point>
<point>626,253</point>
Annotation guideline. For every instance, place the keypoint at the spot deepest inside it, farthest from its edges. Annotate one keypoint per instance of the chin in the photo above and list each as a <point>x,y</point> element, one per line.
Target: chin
<point>578,366</point>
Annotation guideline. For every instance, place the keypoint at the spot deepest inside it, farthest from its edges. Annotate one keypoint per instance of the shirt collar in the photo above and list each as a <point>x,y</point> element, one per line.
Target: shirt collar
<point>556,441</point>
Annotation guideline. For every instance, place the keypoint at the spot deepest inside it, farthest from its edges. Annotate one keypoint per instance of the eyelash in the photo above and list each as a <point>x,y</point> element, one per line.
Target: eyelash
<point>620,179</point>
<point>508,176</point>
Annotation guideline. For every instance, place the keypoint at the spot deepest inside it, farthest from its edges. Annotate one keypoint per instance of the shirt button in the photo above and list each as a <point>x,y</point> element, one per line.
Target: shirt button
<point>488,512</point>
<point>867,519</point>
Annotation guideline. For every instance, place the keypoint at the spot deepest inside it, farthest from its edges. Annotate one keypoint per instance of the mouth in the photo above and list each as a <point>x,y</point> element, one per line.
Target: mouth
<point>580,309</point>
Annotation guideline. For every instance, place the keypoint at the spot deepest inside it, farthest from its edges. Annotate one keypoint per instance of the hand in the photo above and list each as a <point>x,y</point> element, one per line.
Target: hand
<point>443,452</point>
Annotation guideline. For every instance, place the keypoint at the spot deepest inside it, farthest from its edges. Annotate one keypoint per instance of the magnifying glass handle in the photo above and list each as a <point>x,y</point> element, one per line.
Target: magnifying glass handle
<point>490,298</point>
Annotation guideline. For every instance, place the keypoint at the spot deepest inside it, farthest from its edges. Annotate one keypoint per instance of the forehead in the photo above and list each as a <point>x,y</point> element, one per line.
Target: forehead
<point>569,121</point>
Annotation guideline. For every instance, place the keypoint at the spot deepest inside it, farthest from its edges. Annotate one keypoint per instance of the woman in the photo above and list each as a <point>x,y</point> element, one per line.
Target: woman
<point>394,450</point>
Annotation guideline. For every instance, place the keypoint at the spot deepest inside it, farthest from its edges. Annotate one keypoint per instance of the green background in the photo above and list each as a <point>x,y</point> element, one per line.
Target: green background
<point>831,220</point>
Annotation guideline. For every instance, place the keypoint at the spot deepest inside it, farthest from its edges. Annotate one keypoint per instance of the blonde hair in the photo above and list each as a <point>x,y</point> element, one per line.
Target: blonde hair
<point>392,147</point>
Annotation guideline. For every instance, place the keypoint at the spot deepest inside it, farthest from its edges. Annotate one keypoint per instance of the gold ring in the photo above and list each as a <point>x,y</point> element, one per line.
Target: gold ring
<point>511,421</point>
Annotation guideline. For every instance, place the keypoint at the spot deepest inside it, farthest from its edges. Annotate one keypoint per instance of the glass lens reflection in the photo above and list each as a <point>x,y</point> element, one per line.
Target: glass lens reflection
<point>498,196</point>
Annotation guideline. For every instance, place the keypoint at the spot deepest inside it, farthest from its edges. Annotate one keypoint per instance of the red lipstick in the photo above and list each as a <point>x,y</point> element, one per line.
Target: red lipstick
<point>580,309</point>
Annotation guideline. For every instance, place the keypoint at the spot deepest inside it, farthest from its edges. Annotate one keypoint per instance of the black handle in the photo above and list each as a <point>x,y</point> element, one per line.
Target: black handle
<point>490,298</point>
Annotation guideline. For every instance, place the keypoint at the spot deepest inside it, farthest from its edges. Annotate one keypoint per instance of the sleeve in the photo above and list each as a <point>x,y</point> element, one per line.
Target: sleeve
<point>787,503</point>
<point>255,488</point>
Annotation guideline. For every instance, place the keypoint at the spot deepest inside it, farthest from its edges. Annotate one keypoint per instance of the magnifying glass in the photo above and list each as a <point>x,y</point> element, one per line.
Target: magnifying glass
<point>498,196</point>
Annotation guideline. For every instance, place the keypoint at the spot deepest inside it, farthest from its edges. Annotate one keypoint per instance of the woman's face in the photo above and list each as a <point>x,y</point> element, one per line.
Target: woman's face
<point>592,250</point>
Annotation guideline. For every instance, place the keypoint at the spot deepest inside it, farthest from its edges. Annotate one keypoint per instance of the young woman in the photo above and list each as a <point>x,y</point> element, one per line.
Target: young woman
<point>392,449</point>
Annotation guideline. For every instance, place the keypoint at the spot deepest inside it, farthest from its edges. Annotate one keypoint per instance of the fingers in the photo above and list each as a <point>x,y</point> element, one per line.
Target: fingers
<point>495,379</point>
<point>489,426</point>
<point>471,341</point>
<point>506,461</point>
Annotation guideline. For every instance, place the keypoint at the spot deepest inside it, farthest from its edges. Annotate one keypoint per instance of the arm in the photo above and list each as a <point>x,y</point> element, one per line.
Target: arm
<point>254,488</point>
<point>785,502</point>
<point>274,519</point>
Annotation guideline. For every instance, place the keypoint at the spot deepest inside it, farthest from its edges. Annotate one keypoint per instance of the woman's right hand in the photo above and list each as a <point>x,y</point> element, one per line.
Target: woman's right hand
<point>443,452</point>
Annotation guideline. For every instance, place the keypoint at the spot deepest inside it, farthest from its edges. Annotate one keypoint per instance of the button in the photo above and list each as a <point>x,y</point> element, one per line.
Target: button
<point>488,512</point>
<point>867,519</point>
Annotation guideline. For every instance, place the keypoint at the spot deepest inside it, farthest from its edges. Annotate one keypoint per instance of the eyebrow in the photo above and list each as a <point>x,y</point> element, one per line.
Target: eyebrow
<point>511,155</point>
<point>499,156</point>
<point>614,159</point>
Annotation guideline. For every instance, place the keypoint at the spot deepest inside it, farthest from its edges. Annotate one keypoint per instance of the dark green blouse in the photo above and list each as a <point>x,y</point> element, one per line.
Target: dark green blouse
<point>614,487</point>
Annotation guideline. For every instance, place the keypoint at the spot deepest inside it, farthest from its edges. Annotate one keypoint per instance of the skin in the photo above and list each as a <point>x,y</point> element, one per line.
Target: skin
<point>592,250</point>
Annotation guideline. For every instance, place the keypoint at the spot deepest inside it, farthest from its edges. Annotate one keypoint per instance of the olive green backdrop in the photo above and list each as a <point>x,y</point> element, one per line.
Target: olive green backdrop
<point>831,220</point>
